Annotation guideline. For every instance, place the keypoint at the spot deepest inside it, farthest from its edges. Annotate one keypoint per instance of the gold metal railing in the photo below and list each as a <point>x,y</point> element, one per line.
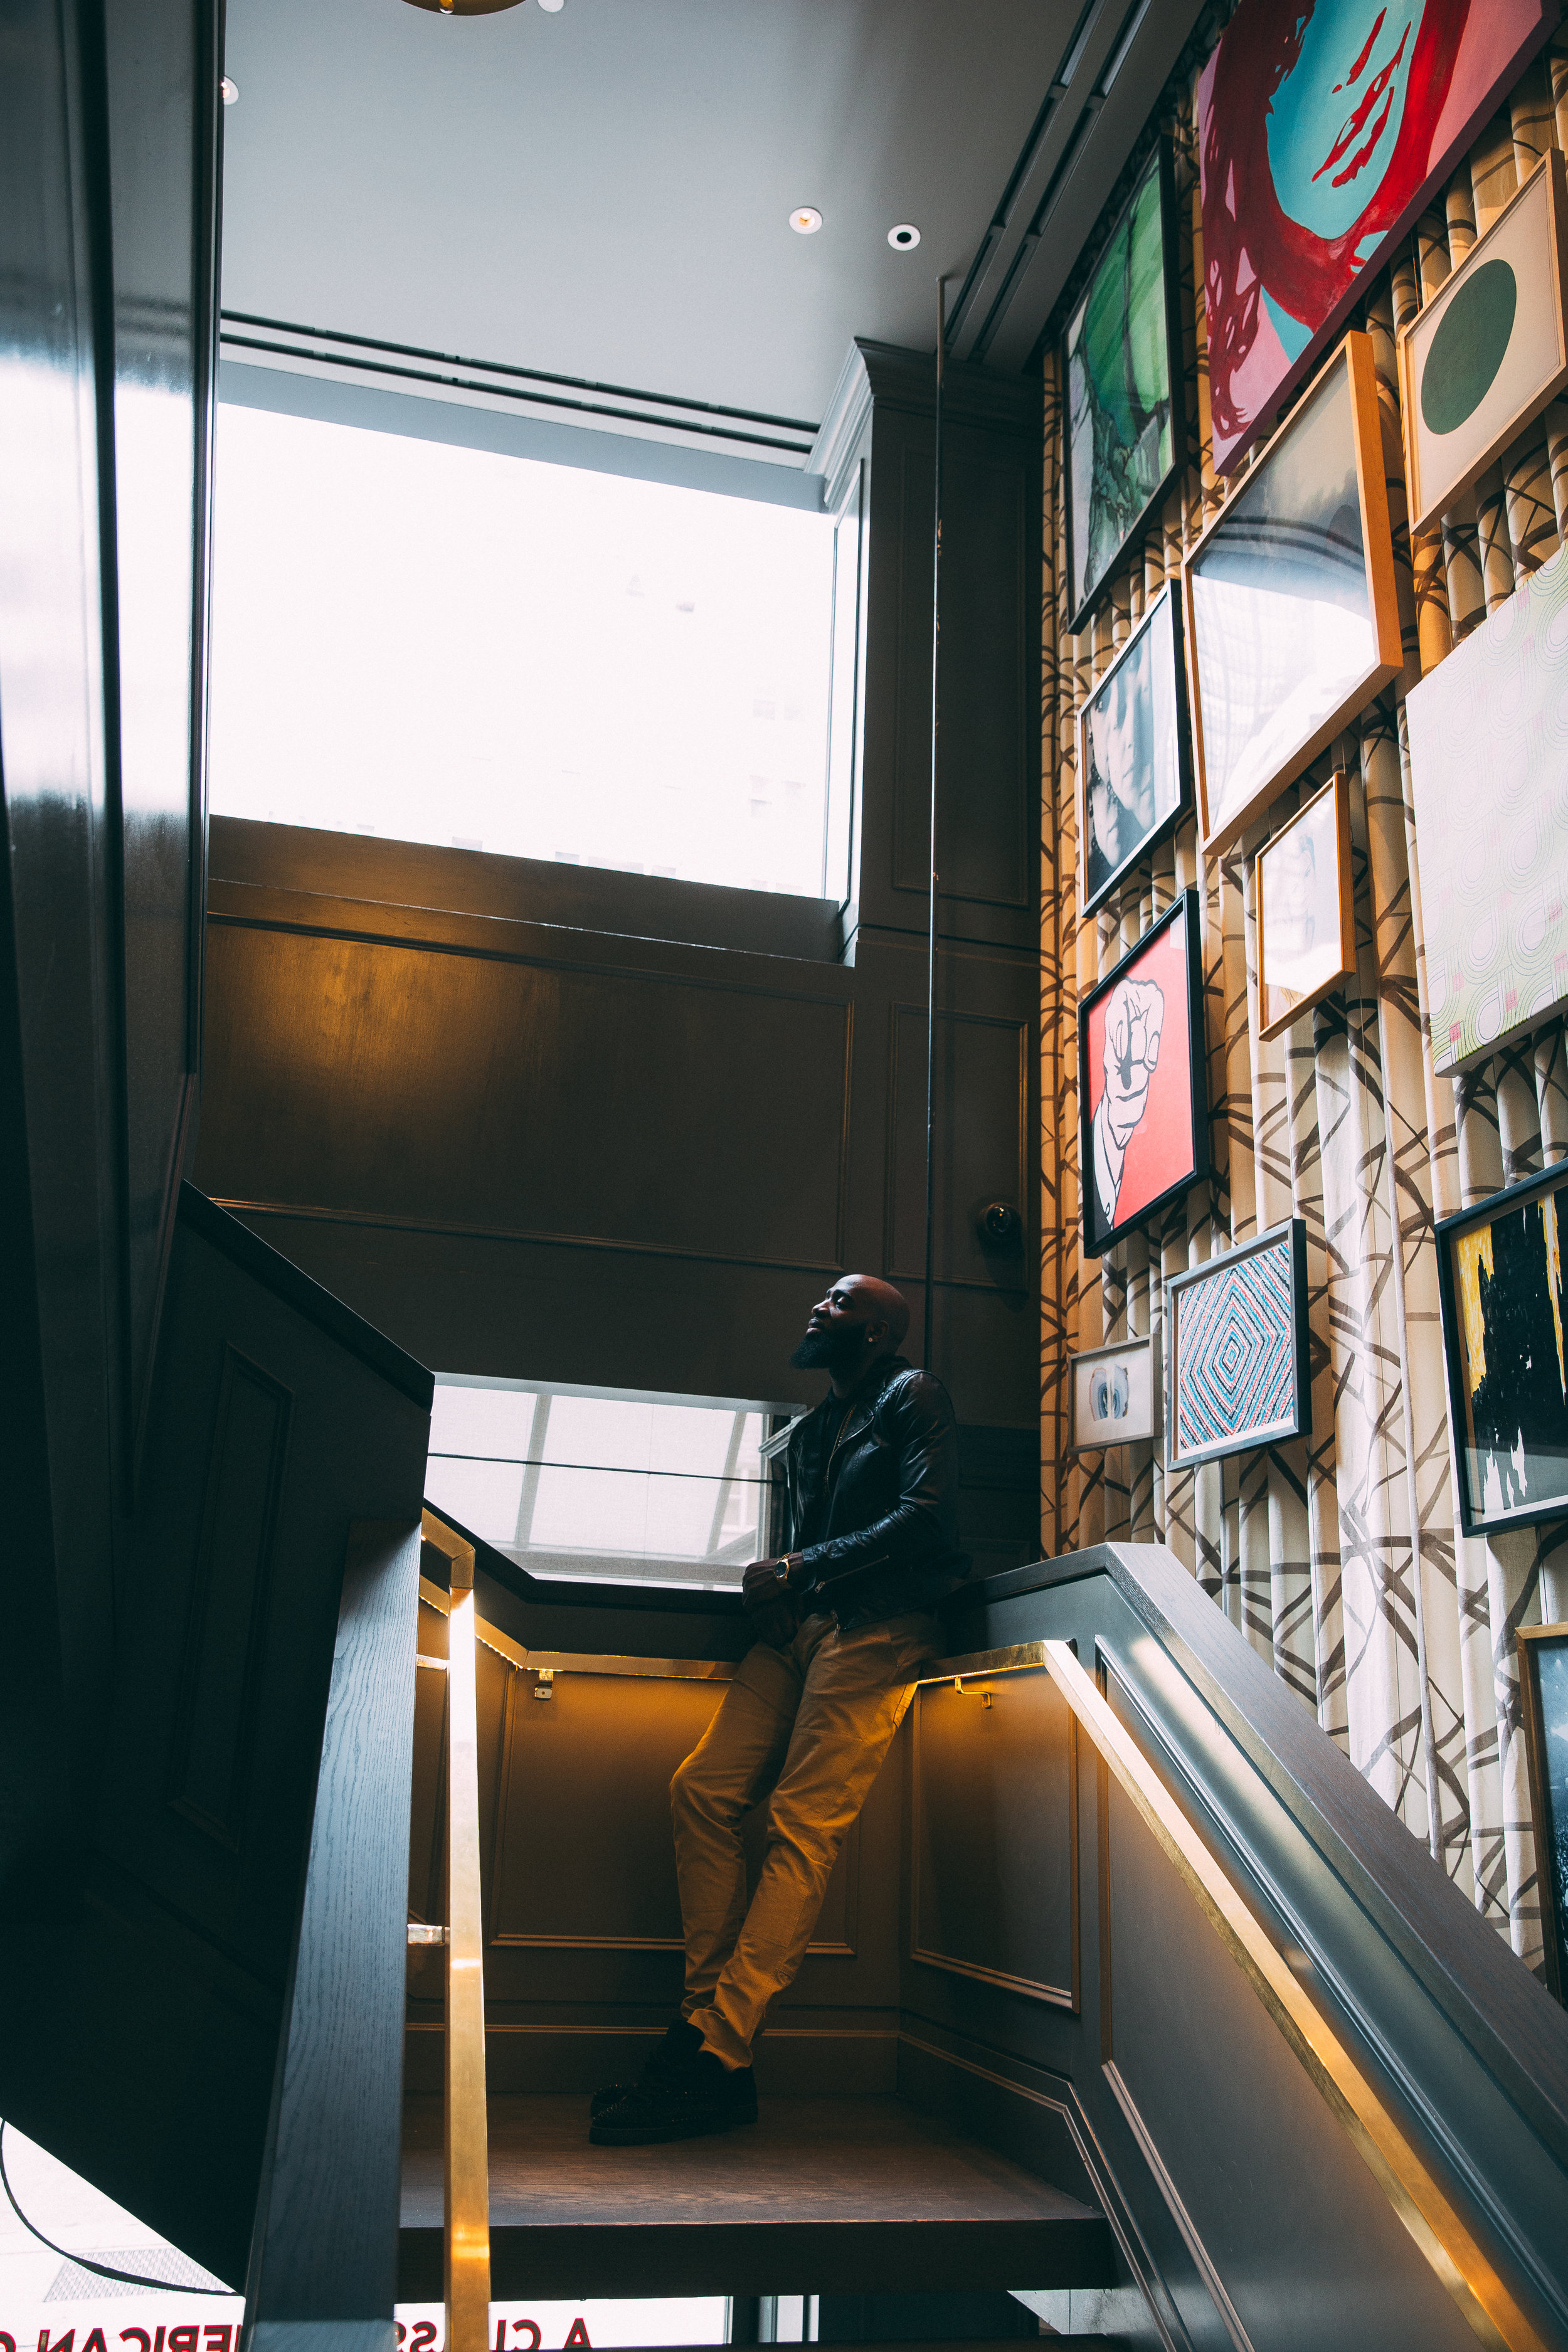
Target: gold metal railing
<point>1418,2198</point>
<point>468,2232</point>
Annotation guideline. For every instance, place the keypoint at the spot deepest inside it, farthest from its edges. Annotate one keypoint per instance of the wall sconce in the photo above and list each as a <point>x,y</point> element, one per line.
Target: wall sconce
<point>999,1225</point>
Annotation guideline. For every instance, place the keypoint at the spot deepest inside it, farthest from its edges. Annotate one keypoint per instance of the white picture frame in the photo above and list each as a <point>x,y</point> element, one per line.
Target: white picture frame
<point>1115,1396</point>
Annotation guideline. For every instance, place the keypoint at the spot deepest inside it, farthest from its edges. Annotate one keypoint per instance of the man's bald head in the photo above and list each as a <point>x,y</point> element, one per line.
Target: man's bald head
<point>879,1302</point>
<point>856,1324</point>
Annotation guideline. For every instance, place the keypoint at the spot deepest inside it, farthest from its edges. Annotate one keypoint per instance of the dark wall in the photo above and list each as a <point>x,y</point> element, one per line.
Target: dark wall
<point>109,169</point>
<point>547,1124</point>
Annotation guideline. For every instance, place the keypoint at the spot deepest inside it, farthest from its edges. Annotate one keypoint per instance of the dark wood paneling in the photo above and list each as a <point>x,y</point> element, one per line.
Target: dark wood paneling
<point>989,794</point>
<point>524,889</point>
<point>990,672</point>
<point>993,1835</point>
<point>583,1856</point>
<point>229,1593</point>
<point>164,116</point>
<point>1227,2141</point>
<point>325,2244</point>
<point>106,256</point>
<point>527,1098</point>
<point>983,1084</point>
<point>158,1985</point>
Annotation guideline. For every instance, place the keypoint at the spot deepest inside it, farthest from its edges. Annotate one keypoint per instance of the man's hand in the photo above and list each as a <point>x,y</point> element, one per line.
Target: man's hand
<point>1133,1022</point>
<point>770,1604</point>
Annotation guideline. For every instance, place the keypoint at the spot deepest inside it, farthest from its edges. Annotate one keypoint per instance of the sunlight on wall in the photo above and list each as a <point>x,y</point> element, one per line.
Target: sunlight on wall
<point>443,645</point>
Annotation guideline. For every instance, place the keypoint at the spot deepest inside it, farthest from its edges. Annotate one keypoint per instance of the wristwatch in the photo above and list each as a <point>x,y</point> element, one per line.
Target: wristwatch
<point>791,1570</point>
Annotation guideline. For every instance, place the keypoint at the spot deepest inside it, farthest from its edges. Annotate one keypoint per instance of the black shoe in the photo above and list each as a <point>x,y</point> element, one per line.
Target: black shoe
<point>681,2046</point>
<point>699,2097</point>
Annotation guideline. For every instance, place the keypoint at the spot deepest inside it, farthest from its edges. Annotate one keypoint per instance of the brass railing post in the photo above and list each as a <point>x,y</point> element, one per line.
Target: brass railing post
<point>468,2233</point>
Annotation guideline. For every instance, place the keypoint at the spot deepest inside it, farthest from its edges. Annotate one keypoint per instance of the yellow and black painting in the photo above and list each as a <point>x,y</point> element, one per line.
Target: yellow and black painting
<point>1512,1371</point>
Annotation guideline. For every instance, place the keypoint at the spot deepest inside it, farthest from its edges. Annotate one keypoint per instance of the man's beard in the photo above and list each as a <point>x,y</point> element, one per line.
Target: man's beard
<point>826,1351</point>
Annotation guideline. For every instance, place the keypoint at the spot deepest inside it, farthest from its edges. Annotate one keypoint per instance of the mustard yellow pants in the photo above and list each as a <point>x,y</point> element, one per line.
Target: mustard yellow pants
<point>812,1723</point>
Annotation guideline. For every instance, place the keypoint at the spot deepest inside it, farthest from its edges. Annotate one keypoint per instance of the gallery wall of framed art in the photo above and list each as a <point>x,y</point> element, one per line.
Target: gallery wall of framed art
<point>1122,365</point>
<point>1434,1078</point>
<point>1292,610</point>
<point>1485,356</point>
<point>1132,754</point>
<point>1142,1097</point>
<point>1304,906</point>
<point>1321,132</point>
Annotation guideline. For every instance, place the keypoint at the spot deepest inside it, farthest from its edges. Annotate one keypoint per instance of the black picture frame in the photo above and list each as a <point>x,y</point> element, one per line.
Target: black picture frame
<point>1291,1232</point>
<point>1546,1757</point>
<point>1095,1237</point>
<point>1168,603</point>
<point>1161,162</point>
<point>1475,1517</point>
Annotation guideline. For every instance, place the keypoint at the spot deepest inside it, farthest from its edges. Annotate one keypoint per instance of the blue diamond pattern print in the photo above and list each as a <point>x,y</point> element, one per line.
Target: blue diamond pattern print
<point>1236,1352</point>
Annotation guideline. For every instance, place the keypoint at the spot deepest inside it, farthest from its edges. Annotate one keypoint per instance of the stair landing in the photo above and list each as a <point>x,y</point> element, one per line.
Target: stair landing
<point>821,2196</point>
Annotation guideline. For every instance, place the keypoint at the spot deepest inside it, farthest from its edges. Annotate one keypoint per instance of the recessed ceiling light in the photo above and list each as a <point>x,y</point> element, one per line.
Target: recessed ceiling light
<point>806,220</point>
<point>904,237</point>
<point>552,7</point>
<point>230,90</point>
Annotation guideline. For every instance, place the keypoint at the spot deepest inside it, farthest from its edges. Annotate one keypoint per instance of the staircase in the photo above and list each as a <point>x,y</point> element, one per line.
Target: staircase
<point>1188,2031</point>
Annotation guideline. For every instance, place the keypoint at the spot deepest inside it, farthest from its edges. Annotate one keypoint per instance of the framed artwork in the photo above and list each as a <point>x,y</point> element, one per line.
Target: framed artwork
<point>1134,775</point>
<point>1122,365</point>
<point>1237,1350</point>
<point>1114,1397</point>
<point>1292,616</point>
<point>1543,1702</point>
<point>1323,127</point>
<point>1505,1330</point>
<point>1488,775</point>
<point>1305,908</point>
<point>1142,1108</point>
<point>1489,350</point>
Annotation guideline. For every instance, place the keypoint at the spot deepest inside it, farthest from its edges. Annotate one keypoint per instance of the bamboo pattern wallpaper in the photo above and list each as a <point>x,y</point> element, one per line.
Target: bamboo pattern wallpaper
<point>1338,1556</point>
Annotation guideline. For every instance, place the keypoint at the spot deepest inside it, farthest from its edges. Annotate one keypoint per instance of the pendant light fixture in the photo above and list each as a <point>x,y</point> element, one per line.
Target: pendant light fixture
<point>465,7</point>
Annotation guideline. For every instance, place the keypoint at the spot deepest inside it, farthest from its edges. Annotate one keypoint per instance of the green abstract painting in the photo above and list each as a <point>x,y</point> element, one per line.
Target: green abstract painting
<point>1488,771</point>
<point>1121,372</point>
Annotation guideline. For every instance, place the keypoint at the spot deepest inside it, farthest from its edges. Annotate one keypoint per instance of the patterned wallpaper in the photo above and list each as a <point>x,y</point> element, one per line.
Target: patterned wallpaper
<point>1337,1556</point>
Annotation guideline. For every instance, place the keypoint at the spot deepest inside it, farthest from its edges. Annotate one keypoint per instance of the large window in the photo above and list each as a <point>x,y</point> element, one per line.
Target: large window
<point>446,644</point>
<point>597,1484</point>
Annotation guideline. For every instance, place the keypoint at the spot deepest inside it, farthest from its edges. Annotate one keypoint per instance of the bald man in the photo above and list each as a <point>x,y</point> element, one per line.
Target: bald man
<point>844,1625</point>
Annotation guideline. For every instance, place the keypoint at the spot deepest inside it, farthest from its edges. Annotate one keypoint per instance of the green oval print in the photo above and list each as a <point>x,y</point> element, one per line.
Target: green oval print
<point>1469,346</point>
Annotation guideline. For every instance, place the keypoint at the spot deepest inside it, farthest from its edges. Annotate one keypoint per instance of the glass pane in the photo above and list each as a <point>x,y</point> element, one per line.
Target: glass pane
<point>602,1486</point>
<point>481,1421</point>
<point>446,644</point>
<point>620,1511</point>
<point>482,1496</point>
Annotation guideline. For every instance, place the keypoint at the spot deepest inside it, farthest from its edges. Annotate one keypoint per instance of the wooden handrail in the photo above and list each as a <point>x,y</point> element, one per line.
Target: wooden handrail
<point>1416,2195</point>
<point>467,2236</point>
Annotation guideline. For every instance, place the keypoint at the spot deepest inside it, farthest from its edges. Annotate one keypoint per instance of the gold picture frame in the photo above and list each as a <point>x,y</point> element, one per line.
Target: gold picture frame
<point>1313,889</point>
<point>1529,369</point>
<point>1306,587</point>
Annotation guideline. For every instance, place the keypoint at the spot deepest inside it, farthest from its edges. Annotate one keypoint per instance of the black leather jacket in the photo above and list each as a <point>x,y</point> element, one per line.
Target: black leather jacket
<point>873,1498</point>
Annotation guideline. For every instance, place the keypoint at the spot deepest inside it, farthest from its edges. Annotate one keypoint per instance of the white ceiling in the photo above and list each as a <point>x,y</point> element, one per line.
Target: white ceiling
<point>606,191</point>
